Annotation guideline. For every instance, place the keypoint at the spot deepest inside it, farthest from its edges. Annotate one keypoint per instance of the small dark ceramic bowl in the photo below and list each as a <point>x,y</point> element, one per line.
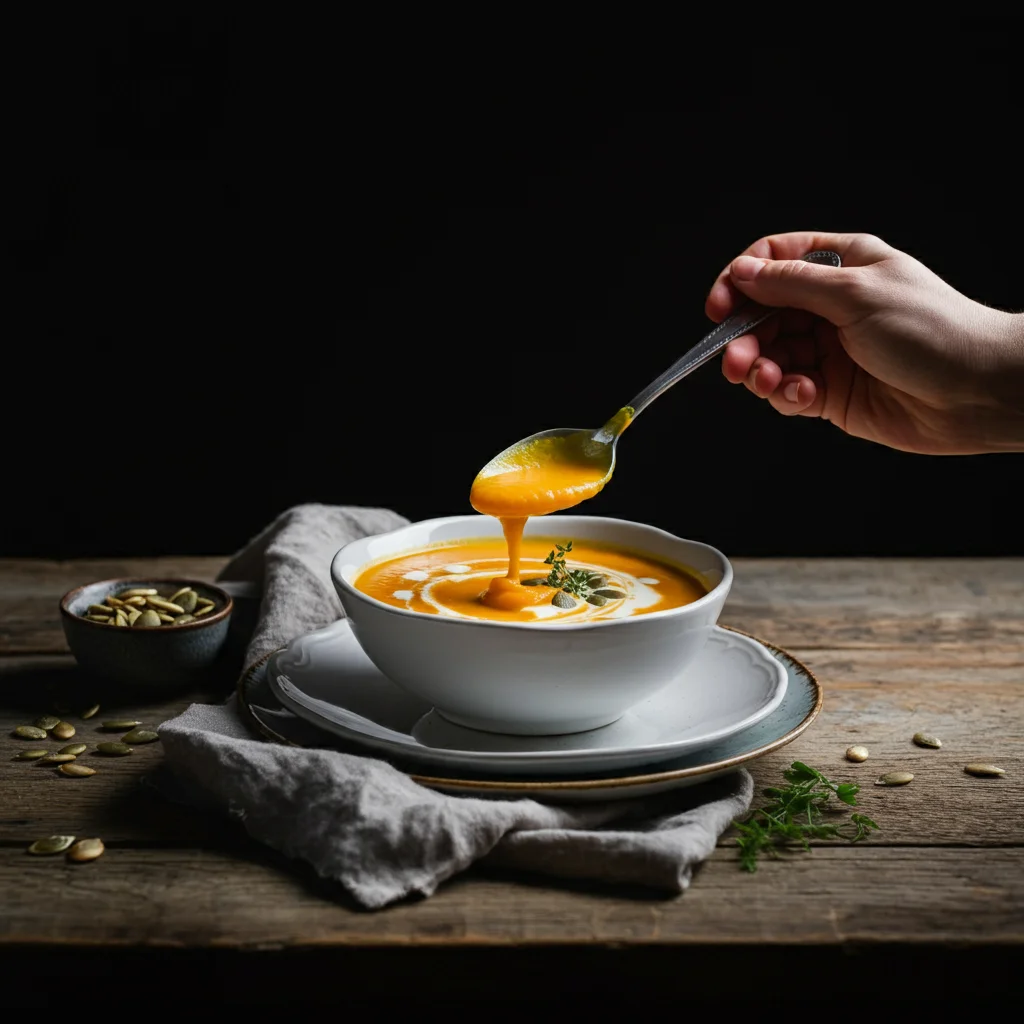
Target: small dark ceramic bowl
<point>155,657</point>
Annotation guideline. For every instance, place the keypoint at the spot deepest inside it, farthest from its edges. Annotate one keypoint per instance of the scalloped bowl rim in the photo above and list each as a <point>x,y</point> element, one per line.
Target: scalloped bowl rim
<point>343,560</point>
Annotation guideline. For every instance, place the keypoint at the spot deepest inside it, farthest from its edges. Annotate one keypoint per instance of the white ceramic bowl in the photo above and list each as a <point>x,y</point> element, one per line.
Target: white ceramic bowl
<point>532,678</point>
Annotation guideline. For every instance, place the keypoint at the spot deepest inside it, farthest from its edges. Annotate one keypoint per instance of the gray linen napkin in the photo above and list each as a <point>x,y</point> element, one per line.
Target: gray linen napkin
<point>367,825</point>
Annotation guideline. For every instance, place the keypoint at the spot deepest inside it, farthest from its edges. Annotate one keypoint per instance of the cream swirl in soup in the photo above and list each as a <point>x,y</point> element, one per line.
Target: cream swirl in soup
<point>453,579</point>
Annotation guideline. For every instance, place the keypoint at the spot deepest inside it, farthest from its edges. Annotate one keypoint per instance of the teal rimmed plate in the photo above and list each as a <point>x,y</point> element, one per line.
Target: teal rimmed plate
<point>801,704</point>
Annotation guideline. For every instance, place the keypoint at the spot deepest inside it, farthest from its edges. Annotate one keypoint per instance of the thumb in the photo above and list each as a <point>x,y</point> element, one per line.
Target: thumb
<point>819,289</point>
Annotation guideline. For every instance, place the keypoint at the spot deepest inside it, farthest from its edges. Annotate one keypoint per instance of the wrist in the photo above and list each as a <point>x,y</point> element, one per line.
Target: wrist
<point>1002,381</point>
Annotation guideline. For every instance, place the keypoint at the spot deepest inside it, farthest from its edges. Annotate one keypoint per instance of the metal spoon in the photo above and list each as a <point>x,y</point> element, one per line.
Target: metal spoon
<point>593,450</point>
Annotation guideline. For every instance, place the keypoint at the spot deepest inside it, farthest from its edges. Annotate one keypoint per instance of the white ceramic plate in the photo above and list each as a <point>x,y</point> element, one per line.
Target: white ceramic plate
<point>327,679</point>
<point>267,717</point>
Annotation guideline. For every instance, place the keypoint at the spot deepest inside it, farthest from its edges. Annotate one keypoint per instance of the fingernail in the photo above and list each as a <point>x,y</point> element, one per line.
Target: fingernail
<point>746,268</point>
<point>791,392</point>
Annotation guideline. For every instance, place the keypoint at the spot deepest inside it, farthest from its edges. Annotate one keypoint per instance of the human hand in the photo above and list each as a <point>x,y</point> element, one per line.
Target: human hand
<point>882,346</point>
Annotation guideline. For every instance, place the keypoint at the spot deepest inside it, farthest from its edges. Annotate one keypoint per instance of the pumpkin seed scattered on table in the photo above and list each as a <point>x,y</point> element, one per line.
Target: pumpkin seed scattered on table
<point>145,607</point>
<point>895,779</point>
<point>75,770</point>
<point>856,753</point>
<point>140,736</point>
<point>30,732</point>
<point>978,768</point>
<point>62,731</point>
<point>74,748</point>
<point>86,849</point>
<point>54,758</point>
<point>30,755</point>
<point>47,722</point>
<point>922,739</point>
<point>120,724</point>
<point>51,844</point>
<point>114,749</point>
<point>89,712</point>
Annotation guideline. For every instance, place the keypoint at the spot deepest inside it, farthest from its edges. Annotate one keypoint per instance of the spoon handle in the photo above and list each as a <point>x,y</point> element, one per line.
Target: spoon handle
<point>743,320</point>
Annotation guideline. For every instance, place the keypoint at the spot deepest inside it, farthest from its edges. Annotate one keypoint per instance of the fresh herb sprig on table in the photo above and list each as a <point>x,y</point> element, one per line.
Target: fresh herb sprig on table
<point>794,815</point>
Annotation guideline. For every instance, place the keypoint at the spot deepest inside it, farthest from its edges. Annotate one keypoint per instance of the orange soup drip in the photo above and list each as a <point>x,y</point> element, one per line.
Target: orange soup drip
<point>453,579</point>
<point>505,592</point>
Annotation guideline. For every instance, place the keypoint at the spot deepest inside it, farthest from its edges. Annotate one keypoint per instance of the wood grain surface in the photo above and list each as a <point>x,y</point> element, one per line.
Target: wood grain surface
<point>899,646</point>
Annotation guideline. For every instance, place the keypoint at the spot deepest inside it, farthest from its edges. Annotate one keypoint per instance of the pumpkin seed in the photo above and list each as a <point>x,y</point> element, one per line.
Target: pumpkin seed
<point>924,740</point>
<point>979,768</point>
<point>181,620</point>
<point>139,736</point>
<point>533,581</point>
<point>164,606</point>
<point>147,619</point>
<point>114,749</point>
<point>856,753</point>
<point>137,592</point>
<point>560,600</point>
<point>120,620</point>
<point>138,601</point>
<point>86,849</point>
<point>597,579</point>
<point>165,618</point>
<point>98,618</point>
<point>133,614</point>
<point>30,755</point>
<point>597,600</point>
<point>63,731</point>
<point>895,779</point>
<point>47,722</point>
<point>100,609</point>
<point>30,732</point>
<point>74,748</point>
<point>76,771</point>
<point>114,602</point>
<point>202,611</point>
<point>612,595</point>
<point>181,590</point>
<point>51,844</point>
<point>57,759</point>
<point>89,712</point>
<point>120,724</point>
<point>187,601</point>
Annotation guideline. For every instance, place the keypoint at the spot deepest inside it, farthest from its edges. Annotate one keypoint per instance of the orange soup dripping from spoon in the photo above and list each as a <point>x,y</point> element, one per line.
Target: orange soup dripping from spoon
<point>544,475</point>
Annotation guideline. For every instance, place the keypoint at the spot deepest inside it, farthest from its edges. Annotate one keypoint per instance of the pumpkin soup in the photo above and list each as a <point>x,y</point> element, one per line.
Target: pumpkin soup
<point>542,474</point>
<point>570,583</point>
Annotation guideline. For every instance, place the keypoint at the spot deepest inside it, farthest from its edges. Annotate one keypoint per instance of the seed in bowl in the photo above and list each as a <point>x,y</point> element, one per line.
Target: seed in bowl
<point>145,608</point>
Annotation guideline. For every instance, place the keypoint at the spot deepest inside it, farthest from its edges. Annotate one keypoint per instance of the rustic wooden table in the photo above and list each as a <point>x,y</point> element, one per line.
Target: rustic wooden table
<point>932,906</point>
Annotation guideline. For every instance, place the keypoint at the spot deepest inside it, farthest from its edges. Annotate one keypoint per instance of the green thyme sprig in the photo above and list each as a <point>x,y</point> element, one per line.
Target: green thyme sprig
<point>573,581</point>
<point>794,815</point>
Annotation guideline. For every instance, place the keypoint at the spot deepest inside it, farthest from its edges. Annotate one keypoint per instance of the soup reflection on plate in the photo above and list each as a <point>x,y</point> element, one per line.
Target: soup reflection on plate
<point>580,582</point>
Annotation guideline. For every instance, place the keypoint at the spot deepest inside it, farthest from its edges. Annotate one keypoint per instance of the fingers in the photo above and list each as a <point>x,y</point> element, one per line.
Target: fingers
<point>799,394</point>
<point>728,290</point>
<point>782,372</point>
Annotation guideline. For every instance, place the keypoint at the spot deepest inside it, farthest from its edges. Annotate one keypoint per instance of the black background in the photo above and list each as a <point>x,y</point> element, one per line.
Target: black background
<point>257,265</point>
